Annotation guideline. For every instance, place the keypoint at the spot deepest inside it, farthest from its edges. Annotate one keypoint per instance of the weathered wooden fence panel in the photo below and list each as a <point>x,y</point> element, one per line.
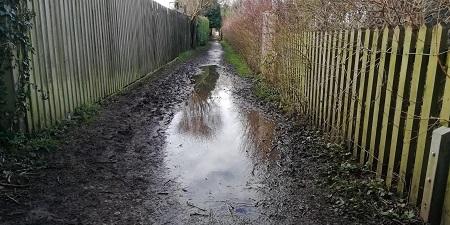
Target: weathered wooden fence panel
<point>381,92</point>
<point>86,50</point>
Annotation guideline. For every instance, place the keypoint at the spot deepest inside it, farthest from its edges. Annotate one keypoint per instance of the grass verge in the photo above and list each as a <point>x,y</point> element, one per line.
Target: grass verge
<point>21,152</point>
<point>236,60</point>
<point>261,89</point>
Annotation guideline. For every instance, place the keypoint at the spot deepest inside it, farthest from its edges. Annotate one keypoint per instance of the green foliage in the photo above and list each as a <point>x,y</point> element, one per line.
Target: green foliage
<point>236,60</point>
<point>265,92</point>
<point>356,192</point>
<point>214,15</point>
<point>202,30</point>
<point>15,48</point>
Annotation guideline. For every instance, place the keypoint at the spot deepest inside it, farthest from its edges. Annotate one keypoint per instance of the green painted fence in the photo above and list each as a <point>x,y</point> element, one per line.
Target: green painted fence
<point>86,50</point>
<point>380,91</point>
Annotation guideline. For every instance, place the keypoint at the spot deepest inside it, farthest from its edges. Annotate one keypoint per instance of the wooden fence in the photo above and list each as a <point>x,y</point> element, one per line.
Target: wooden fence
<point>88,49</point>
<point>382,91</point>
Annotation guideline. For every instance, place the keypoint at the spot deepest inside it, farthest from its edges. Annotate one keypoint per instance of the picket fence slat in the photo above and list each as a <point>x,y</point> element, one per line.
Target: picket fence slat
<point>359,100</point>
<point>398,105</point>
<point>369,99</point>
<point>354,86</point>
<point>348,84</point>
<point>410,116</point>
<point>387,101</point>
<point>342,83</point>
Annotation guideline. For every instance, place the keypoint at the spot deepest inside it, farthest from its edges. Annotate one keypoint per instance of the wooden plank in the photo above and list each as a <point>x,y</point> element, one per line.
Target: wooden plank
<point>66,53</point>
<point>354,87</point>
<point>342,81</point>
<point>51,67</point>
<point>315,76</point>
<point>387,103</point>
<point>40,49</point>
<point>108,44</point>
<point>360,99</point>
<point>85,78</point>
<point>56,62</point>
<point>34,110</point>
<point>336,90</point>
<point>376,107</point>
<point>36,74</point>
<point>79,64</point>
<point>70,53</point>
<point>369,99</point>
<point>330,80</point>
<point>323,79</point>
<point>417,67</point>
<point>61,63</point>
<point>398,105</point>
<point>425,112</point>
<point>310,74</point>
<point>445,110</point>
<point>445,117</point>
<point>348,81</point>
<point>94,50</point>
<point>91,51</point>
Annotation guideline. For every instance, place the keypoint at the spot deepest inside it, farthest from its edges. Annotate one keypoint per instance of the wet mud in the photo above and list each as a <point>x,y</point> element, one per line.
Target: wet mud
<point>190,146</point>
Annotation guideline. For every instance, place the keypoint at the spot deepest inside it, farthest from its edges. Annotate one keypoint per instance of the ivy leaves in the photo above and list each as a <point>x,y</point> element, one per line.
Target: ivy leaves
<point>15,50</point>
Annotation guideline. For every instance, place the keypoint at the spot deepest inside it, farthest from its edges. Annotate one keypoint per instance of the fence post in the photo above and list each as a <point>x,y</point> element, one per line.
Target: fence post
<point>436,177</point>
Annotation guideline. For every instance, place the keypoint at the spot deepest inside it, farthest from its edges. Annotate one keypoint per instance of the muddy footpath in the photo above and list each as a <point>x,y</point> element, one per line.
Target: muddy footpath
<point>191,145</point>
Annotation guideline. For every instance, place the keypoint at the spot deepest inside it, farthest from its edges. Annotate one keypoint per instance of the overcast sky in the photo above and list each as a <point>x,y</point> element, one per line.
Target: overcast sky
<point>165,3</point>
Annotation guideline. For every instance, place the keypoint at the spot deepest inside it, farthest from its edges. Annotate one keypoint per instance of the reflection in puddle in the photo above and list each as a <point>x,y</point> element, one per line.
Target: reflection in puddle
<point>213,146</point>
<point>200,116</point>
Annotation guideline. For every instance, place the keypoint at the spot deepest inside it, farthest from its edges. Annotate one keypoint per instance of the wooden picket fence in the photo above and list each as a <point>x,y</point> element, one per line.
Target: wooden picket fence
<point>381,91</point>
<point>85,50</point>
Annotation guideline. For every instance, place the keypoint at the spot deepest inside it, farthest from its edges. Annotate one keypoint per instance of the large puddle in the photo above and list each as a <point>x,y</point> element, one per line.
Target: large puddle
<point>213,147</point>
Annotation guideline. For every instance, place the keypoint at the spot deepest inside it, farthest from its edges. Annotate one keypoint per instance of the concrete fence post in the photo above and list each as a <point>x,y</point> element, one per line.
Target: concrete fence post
<point>436,189</point>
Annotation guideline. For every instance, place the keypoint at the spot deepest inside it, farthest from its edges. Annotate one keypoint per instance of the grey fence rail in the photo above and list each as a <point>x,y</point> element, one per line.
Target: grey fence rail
<point>85,50</point>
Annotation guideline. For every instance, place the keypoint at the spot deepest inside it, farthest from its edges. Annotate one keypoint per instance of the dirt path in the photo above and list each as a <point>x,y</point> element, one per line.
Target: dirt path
<point>190,147</point>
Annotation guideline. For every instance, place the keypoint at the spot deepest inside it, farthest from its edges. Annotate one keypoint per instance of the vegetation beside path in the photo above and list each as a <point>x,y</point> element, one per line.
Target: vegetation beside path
<point>356,193</point>
<point>261,89</point>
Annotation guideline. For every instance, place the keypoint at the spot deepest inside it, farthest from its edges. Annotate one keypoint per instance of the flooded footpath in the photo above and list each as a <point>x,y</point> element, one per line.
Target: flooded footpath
<point>189,145</point>
<point>213,146</point>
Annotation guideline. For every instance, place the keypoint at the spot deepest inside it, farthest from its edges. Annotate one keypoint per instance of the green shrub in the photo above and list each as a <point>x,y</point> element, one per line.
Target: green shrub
<point>202,30</point>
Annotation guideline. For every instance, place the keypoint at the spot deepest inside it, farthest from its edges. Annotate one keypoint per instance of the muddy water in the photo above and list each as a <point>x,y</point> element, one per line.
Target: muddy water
<point>214,145</point>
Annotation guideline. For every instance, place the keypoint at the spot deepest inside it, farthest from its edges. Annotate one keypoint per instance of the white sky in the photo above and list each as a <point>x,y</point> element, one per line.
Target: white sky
<point>166,3</point>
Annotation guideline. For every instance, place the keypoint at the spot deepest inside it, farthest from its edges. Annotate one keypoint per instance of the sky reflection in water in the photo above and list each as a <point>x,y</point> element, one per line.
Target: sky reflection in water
<point>213,145</point>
